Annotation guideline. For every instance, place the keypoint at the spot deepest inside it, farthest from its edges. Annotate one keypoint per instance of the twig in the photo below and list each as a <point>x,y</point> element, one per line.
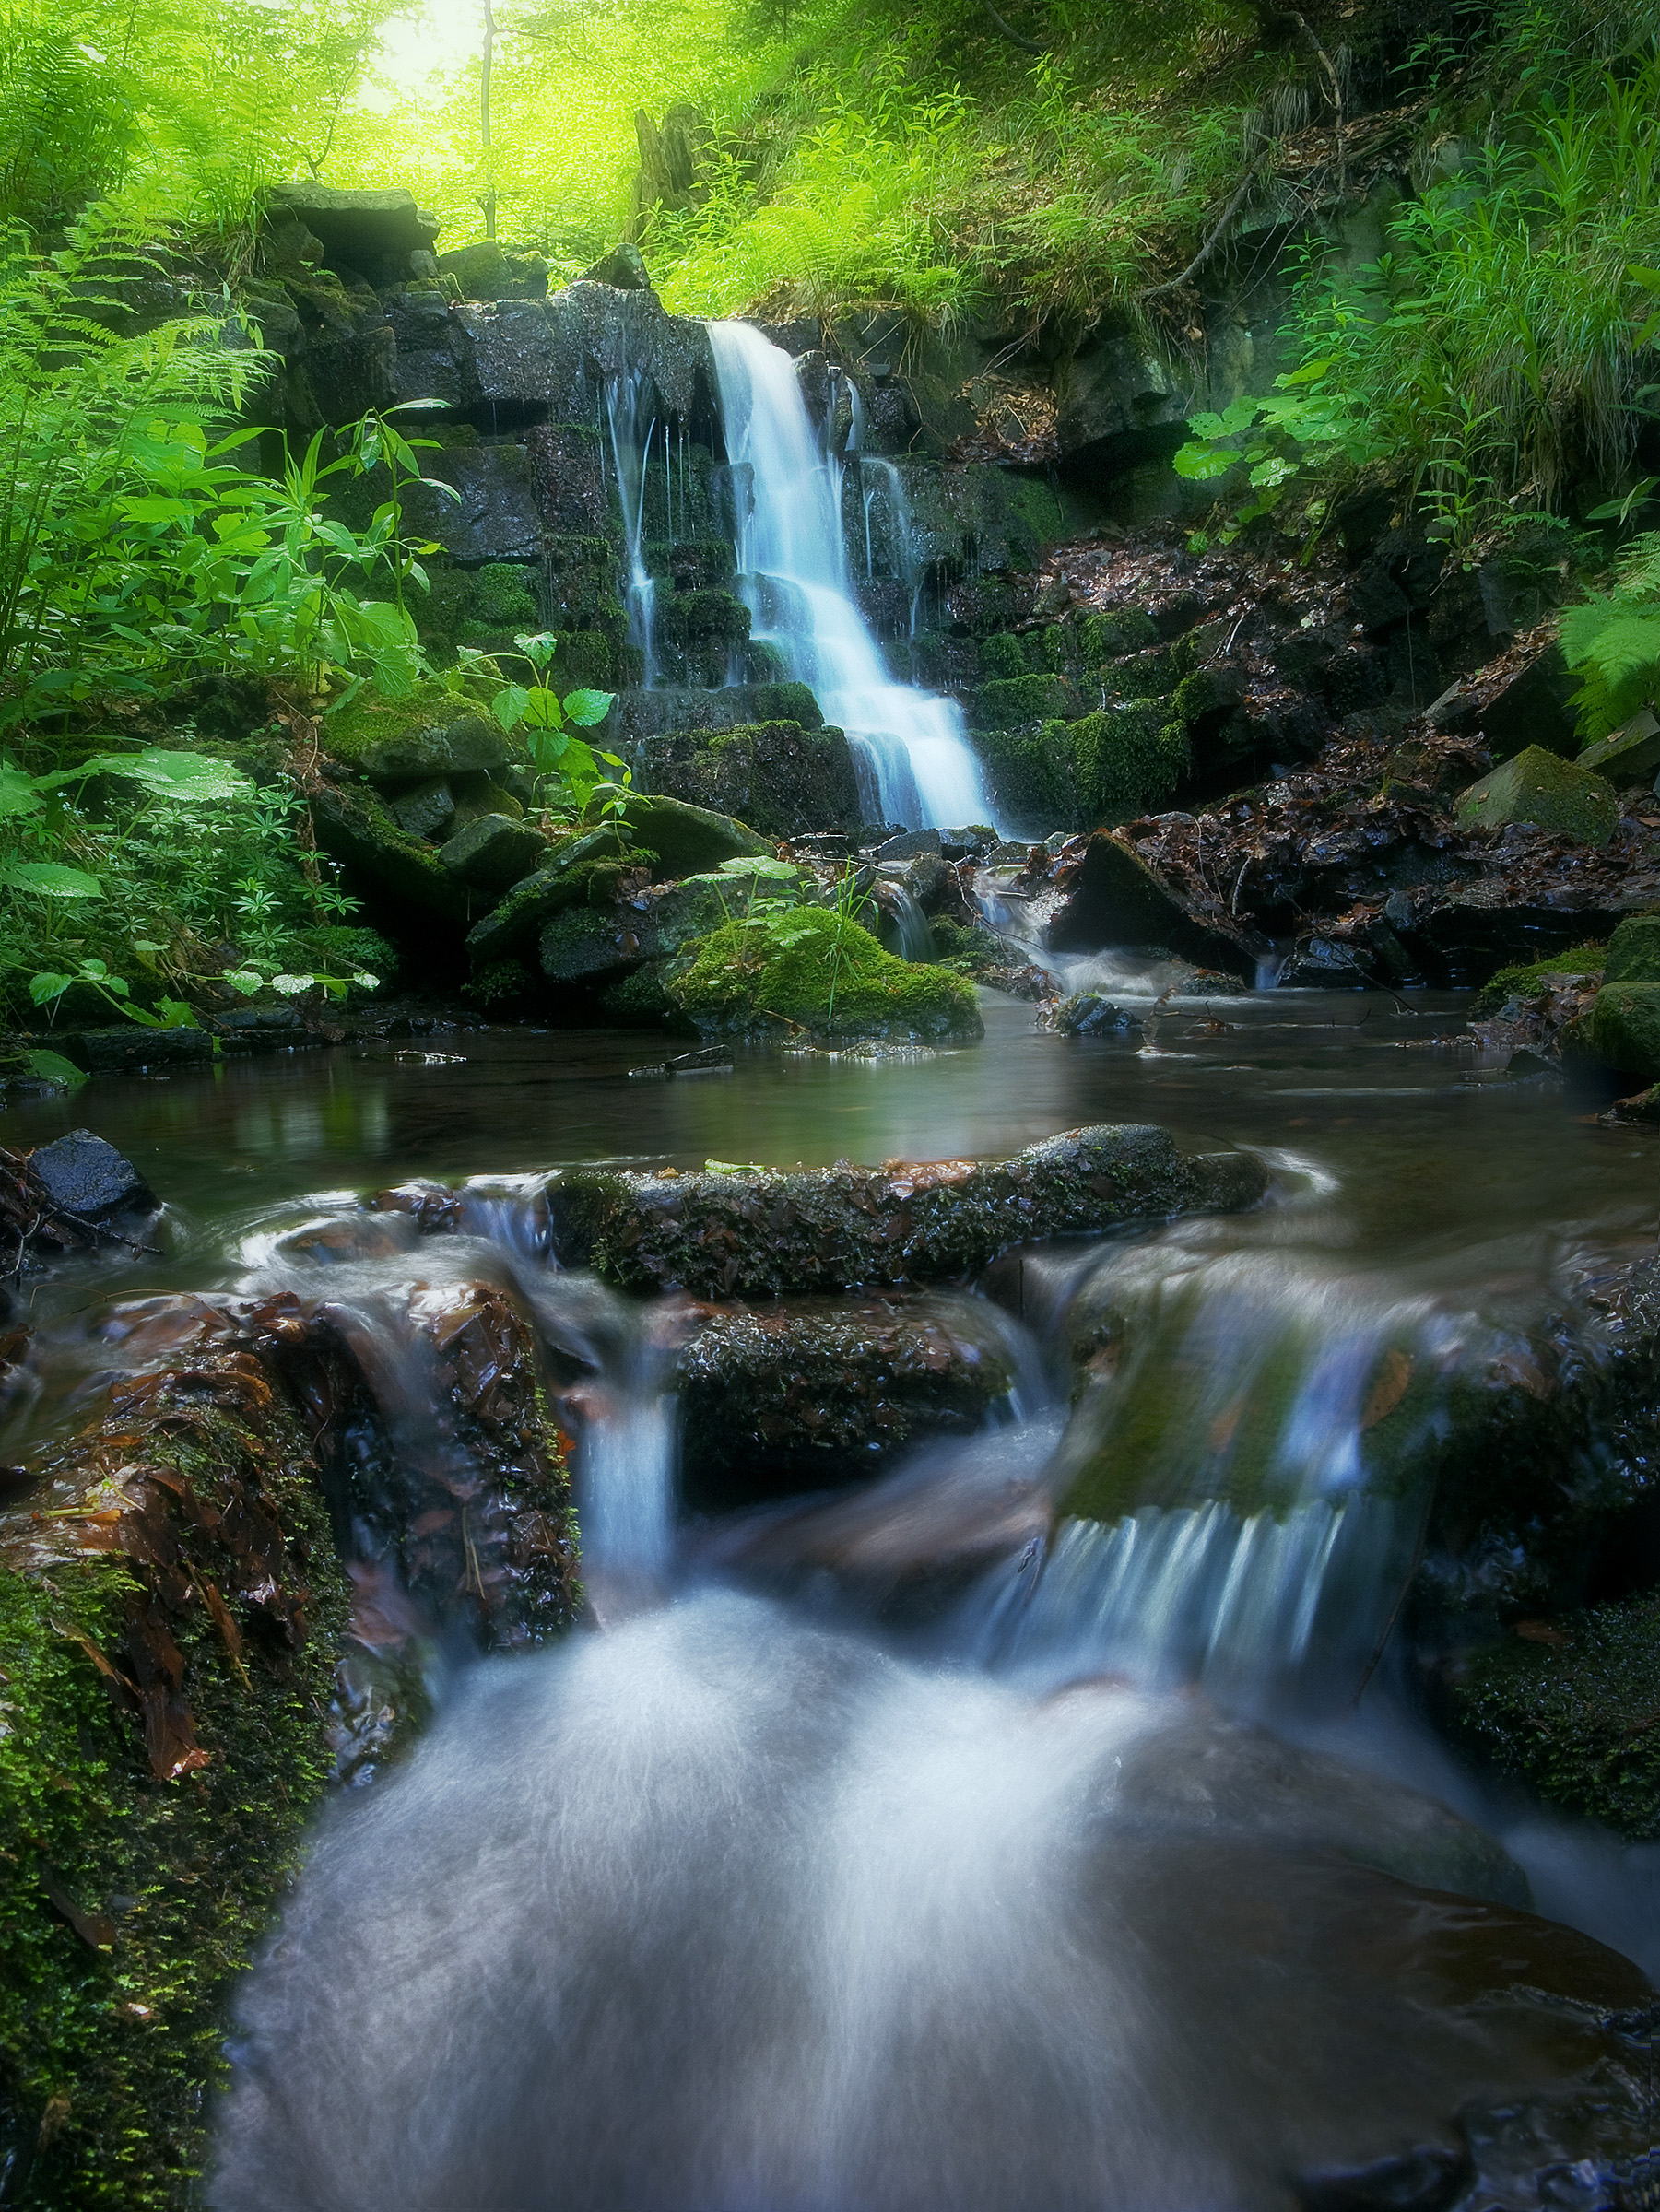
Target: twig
<point>1335,83</point>
<point>1009,32</point>
<point>1173,284</point>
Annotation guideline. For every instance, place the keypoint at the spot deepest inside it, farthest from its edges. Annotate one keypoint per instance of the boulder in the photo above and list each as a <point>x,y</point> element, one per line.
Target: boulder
<point>487,271</point>
<point>818,1391</point>
<point>752,1232</point>
<point>493,851</point>
<point>369,232</point>
<point>623,268</point>
<point>1110,897</point>
<point>420,744</point>
<point>1534,711</point>
<point>777,777</point>
<point>591,946</point>
<point>427,811</point>
<point>1632,755</point>
<point>691,840</point>
<point>360,829</point>
<point>87,1177</point>
<point>1625,1028</point>
<point>826,979</point>
<point>126,1049</point>
<point>1088,1014</point>
<point>1540,787</point>
<point>1633,954</point>
<point>562,882</point>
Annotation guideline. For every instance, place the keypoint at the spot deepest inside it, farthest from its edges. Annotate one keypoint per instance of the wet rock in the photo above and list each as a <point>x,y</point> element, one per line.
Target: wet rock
<point>1110,897</point>
<point>623,268</point>
<point>776,777</point>
<point>497,514</point>
<point>807,1394</point>
<point>1088,1014</point>
<point>753,1232</point>
<point>131,1050</point>
<point>371,232</point>
<point>493,851</point>
<point>910,845</point>
<point>688,839</point>
<point>427,811</point>
<point>1540,787</point>
<point>359,828</point>
<point>1533,710</point>
<point>1632,755</point>
<point>1323,963</point>
<point>562,882</point>
<point>1625,1028</point>
<point>87,1176</point>
<point>586,945</point>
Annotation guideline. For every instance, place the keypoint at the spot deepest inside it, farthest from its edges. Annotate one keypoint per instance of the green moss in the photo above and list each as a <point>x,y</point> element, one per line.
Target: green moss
<point>1142,675</point>
<point>368,719</point>
<point>1634,951</point>
<point>108,2056</point>
<point>1015,702</point>
<point>819,975</point>
<point>1002,656</point>
<point>1105,637</point>
<point>1576,1715</point>
<point>788,702</point>
<point>777,777</point>
<point>1520,983</point>
<point>1106,768</point>
<point>502,596</point>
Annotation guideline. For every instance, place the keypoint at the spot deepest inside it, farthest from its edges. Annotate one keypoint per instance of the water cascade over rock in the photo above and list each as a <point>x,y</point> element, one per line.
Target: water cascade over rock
<point>793,556</point>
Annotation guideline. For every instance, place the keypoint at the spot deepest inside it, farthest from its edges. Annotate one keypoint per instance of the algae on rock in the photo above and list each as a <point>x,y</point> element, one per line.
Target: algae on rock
<point>820,974</point>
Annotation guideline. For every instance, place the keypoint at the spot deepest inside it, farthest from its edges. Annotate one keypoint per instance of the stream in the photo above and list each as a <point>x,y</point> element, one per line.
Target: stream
<point>867,1850</point>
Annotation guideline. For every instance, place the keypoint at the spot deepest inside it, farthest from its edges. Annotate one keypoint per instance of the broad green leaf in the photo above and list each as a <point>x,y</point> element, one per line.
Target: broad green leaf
<point>1200,464</point>
<point>52,1067</point>
<point>1206,425</point>
<point>290,984</point>
<point>19,793</point>
<point>509,704</point>
<point>176,1014</point>
<point>586,707</point>
<point>194,778</point>
<point>50,879</point>
<point>542,709</point>
<point>46,986</point>
<point>248,980</point>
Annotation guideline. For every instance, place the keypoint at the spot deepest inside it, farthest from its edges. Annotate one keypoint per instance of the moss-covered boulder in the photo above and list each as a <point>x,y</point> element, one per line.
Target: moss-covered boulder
<point>493,851</point>
<point>1633,954</point>
<point>814,974</point>
<point>751,1232</point>
<point>775,776</point>
<point>1571,1706</point>
<point>698,633</point>
<point>357,829</point>
<point>562,880</point>
<point>1540,787</point>
<point>1010,703</point>
<point>406,740</point>
<point>1625,1028</point>
<point>690,839</point>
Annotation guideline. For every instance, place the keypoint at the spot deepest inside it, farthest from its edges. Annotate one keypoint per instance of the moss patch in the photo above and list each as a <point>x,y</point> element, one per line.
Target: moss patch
<point>1522,982</point>
<point>1573,1707</point>
<point>777,777</point>
<point>1105,768</point>
<point>109,2051</point>
<point>812,973</point>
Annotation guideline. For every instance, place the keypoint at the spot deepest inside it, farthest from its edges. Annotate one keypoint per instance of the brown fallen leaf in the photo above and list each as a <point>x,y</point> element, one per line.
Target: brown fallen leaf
<point>95,1930</point>
<point>1388,1387</point>
<point>1539,1631</point>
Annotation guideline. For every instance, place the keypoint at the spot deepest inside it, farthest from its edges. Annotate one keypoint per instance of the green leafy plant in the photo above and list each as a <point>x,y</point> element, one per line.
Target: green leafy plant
<point>1612,639</point>
<point>547,721</point>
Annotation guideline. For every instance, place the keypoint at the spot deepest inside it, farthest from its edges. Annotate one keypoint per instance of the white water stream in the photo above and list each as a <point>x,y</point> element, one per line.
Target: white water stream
<point>792,556</point>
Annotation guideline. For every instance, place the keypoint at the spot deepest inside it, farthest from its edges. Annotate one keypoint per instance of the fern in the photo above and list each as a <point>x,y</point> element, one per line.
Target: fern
<point>1612,639</point>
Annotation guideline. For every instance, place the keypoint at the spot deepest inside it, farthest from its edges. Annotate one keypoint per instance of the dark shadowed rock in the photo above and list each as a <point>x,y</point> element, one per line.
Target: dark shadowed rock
<point>751,1231</point>
<point>128,1049</point>
<point>87,1176</point>
<point>1534,709</point>
<point>1111,897</point>
<point>493,851</point>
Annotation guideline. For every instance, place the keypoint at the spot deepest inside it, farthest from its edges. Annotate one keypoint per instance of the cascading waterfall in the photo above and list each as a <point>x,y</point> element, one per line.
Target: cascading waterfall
<point>627,397</point>
<point>792,556</point>
<point>737,1905</point>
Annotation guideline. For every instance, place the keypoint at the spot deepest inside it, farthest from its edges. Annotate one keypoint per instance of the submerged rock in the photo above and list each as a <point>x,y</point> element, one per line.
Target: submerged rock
<point>752,1231</point>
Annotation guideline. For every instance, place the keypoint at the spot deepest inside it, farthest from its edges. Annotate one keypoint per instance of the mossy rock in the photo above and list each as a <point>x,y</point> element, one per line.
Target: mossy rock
<point>1115,631</point>
<point>1633,954</point>
<point>1013,703</point>
<point>1143,675</point>
<point>689,841</point>
<point>1540,787</point>
<point>751,1232</point>
<point>432,733</point>
<point>360,829</point>
<point>822,978</point>
<point>134,1898</point>
<point>1002,657</point>
<point>1625,1028</point>
<point>777,777</point>
<point>493,851</point>
<point>1536,975</point>
<point>1572,1707</point>
<point>1106,768</point>
<point>563,880</point>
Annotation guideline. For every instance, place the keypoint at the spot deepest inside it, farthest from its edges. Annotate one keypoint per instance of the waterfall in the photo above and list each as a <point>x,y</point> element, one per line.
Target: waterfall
<point>627,399</point>
<point>793,562</point>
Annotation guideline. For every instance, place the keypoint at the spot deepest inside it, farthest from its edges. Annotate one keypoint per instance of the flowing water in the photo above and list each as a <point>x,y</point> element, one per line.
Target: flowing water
<point>793,556</point>
<point>876,1851</point>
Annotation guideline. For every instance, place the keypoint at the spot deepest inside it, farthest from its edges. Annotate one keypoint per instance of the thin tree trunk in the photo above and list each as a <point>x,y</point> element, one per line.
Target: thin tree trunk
<point>487,199</point>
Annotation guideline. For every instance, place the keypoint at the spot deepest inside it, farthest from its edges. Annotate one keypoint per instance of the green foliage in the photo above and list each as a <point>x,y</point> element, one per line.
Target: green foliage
<point>1612,639</point>
<point>130,875</point>
<point>545,721</point>
<point>1498,348</point>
